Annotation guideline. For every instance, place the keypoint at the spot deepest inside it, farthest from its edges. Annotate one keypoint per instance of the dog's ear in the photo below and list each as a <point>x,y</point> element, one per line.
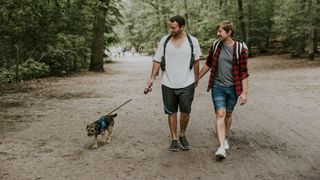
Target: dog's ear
<point>114,115</point>
<point>87,127</point>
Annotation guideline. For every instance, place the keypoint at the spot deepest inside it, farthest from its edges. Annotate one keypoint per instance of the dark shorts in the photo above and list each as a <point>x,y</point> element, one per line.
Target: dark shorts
<point>177,98</point>
<point>224,97</point>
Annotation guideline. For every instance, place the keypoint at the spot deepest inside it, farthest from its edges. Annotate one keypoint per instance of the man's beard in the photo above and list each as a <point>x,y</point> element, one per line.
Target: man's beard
<point>221,38</point>
<point>174,34</point>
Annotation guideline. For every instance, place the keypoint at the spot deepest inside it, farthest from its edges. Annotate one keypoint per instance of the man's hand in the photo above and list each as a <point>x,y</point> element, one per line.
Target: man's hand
<point>196,83</point>
<point>148,87</point>
<point>243,98</point>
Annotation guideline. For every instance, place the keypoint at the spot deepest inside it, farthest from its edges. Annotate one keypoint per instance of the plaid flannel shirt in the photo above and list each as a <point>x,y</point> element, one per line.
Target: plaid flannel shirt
<point>239,68</point>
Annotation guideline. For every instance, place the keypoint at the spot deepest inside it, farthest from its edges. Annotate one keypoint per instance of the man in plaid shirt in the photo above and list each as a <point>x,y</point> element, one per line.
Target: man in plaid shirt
<point>228,80</point>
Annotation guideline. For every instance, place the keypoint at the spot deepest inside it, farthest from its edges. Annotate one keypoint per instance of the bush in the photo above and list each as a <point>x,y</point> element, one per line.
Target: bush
<point>57,62</point>
<point>33,69</point>
<point>28,70</point>
<point>6,75</point>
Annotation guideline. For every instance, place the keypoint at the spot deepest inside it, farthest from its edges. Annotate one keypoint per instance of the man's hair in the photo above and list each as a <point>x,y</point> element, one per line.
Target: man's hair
<point>180,20</point>
<point>227,26</point>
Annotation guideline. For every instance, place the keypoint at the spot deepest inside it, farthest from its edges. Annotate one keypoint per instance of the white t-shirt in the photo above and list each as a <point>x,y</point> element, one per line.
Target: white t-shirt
<point>178,73</point>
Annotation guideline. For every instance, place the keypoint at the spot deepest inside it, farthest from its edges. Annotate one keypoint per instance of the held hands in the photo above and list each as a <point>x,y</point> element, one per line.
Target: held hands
<point>243,98</point>
<point>148,87</point>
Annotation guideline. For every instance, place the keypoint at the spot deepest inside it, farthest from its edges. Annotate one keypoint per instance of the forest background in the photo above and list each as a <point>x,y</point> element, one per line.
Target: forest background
<point>41,38</point>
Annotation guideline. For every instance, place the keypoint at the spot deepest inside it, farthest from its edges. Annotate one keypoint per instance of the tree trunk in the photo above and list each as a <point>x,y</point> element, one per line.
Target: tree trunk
<point>225,12</point>
<point>316,31</point>
<point>186,16</point>
<point>97,49</point>
<point>301,45</point>
<point>241,21</point>
<point>249,27</point>
<point>311,31</point>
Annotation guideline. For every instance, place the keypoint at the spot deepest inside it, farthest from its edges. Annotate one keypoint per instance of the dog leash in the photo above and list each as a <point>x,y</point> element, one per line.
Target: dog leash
<point>119,106</point>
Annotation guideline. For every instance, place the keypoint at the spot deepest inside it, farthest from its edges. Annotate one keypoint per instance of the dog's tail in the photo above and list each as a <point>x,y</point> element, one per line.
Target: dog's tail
<point>113,115</point>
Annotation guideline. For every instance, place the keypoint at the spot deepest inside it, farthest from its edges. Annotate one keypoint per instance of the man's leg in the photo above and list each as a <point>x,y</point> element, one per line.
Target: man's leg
<point>184,119</point>
<point>221,125</point>
<point>221,131</point>
<point>228,121</point>
<point>172,119</point>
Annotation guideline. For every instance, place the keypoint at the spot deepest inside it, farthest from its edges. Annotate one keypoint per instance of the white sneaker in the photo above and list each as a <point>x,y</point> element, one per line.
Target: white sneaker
<point>226,144</point>
<point>221,153</point>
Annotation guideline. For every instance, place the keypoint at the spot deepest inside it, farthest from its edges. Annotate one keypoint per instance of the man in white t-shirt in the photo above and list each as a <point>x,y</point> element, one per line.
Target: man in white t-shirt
<point>179,77</point>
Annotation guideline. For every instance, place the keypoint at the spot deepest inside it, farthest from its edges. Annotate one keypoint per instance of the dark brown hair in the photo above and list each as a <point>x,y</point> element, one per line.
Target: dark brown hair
<point>180,20</point>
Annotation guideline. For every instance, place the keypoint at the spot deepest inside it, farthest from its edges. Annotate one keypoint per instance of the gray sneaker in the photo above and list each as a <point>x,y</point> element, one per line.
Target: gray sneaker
<point>174,146</point>
<point>184,143</point>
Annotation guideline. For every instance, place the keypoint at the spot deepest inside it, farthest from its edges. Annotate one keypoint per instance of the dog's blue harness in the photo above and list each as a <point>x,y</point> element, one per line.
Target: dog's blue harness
<point>103,123</point>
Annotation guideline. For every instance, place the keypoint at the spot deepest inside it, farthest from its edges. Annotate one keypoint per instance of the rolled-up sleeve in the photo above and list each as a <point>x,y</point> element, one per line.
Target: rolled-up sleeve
<point>243,64</point>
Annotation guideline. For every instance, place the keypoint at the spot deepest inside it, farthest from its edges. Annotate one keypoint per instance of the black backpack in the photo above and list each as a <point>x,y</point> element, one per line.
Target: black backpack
<point>163,59</point>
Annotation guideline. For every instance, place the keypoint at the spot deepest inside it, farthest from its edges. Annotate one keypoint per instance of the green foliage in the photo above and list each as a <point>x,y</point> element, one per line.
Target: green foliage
<point>57,33</point>
<point>6,75</point>
<point>28,70</point>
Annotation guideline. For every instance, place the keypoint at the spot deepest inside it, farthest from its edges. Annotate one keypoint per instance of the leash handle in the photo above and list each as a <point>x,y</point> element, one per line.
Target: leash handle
<point>119,106</point>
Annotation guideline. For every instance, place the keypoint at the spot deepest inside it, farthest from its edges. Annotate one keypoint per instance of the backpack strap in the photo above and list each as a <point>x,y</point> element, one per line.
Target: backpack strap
<point>163,59</point>
<point>165,44</point>
<point>215,45</point>
<point>192,60</point>
<point>239,46</point>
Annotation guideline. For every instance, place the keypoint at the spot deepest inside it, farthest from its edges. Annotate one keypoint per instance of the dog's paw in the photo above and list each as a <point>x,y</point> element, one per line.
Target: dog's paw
<point>104,141</point>
<point>108,141</point>
<point>94,146</point>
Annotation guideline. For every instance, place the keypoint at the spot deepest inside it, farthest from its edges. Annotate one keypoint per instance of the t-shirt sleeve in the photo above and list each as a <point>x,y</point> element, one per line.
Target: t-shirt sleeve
<point>159,53</point>
<point>197,50</point>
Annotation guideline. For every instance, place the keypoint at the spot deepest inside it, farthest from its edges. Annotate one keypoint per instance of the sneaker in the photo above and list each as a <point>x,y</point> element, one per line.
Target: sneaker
<point>226,144</point>
<point>184,143</point>
<point>174,146</point>
<point>221,153</point>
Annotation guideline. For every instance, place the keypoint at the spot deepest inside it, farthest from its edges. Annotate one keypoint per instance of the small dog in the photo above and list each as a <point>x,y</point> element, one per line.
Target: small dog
<point>99,127</point>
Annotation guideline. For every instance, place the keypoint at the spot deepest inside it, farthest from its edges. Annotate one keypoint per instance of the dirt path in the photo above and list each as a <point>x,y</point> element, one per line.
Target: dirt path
<point>275,136</point>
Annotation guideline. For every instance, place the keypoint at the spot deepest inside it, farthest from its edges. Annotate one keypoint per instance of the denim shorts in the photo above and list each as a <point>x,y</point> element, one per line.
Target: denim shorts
<point>224,97</point>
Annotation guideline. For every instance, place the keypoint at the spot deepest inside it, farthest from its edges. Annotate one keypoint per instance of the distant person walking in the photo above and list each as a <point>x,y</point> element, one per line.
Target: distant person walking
<point>133,50</point>
<point>178,56</point>
<point>228,80</point>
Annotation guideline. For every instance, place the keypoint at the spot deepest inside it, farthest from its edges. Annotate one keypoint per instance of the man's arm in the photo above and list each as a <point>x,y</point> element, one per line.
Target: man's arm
<point>244,76</point>
<point>203,70</point>
<point>154,72</point>
<point>243,95</point>
<point>196,72</point>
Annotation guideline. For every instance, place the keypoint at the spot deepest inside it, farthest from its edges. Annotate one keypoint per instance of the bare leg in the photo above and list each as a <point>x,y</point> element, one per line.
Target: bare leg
<point>228,122</point>
<point>184,119</point>
<point>172,119</point>
<point>221,127</point>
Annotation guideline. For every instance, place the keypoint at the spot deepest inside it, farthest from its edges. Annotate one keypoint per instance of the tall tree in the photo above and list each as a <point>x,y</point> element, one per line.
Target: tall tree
<point>311,31</point>
<point>248,33</point>
<point>98,40</point>
<point>241,20</point>
<point>186,15</point>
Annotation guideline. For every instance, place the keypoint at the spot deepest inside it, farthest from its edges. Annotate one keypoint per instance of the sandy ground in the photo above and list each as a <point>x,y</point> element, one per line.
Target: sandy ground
<point>275,136</point>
